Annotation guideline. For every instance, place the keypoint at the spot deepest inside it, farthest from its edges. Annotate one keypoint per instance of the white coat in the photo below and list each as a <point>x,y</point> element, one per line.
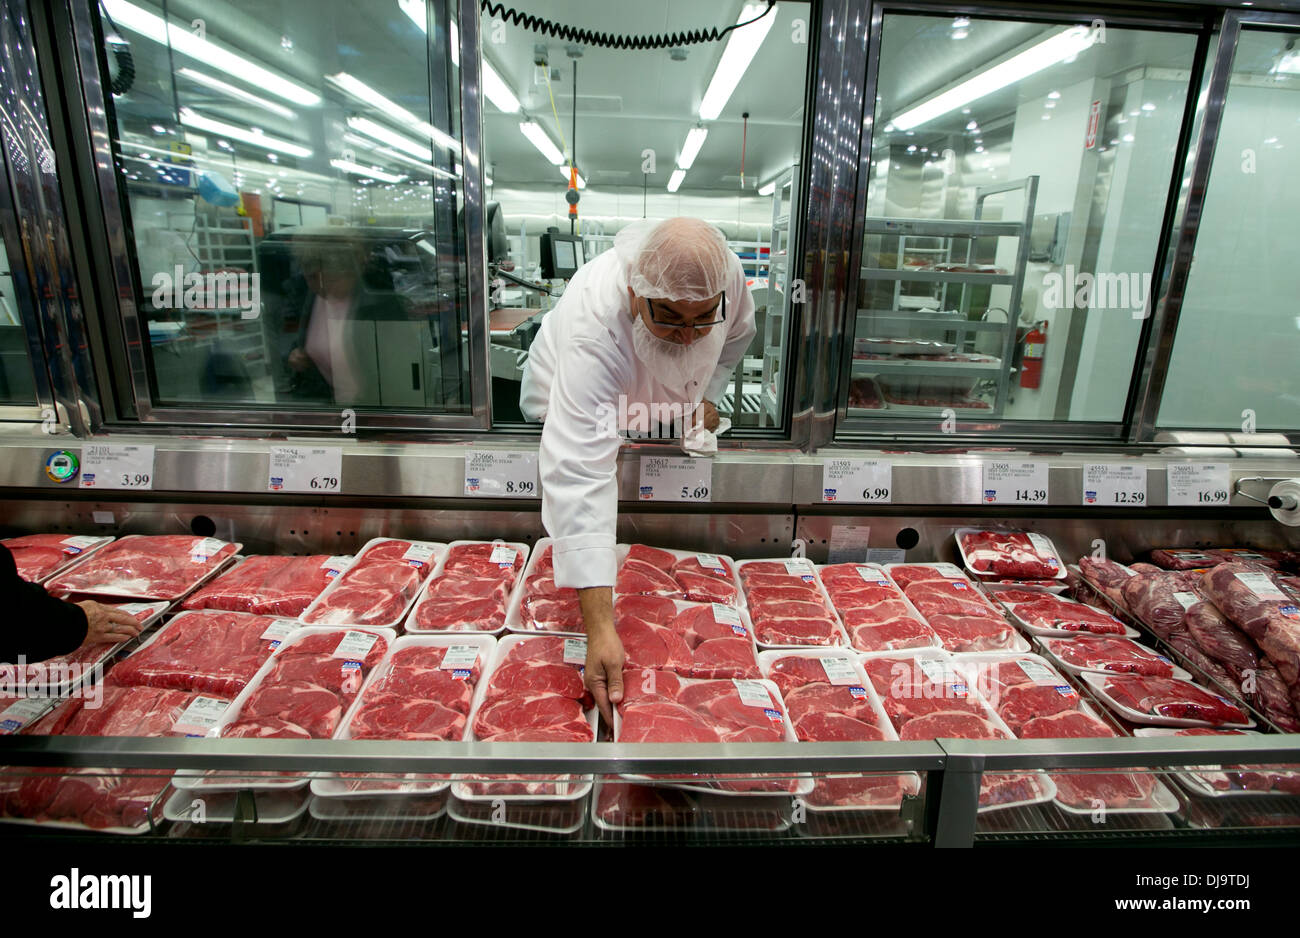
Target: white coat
<point>582,369</point>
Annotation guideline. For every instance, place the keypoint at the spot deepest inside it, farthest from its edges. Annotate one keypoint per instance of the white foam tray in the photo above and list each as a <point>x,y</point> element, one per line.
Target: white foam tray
<point>422,597</point>
<point>438,550</point>
<point>843,636</point>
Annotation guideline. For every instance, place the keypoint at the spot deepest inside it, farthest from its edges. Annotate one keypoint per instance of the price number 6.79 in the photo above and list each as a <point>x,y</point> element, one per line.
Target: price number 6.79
<point>325,482</point>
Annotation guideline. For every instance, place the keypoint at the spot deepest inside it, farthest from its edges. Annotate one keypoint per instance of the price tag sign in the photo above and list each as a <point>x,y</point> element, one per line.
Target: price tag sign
<point>1112,484</point>
<point>116,466</point>
<point>201,715</point>
<point>1013,482</point>
<point>317,469</point>
<point>492,473</point>
<point>459,657</point>
<point>675,479</point>
<point>857,480</point>
<point>1193,483</point>
<point>21,712</point>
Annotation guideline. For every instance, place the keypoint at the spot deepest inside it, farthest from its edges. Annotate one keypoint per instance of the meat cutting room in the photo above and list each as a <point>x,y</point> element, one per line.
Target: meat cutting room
<point>648,425</point>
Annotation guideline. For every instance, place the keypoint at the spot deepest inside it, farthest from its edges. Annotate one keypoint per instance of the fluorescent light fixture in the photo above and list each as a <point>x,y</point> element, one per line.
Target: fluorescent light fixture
<point>1050,51</point>
<point>675,180</point>
<point>564,171</point>
<point>182,40</point>
<point>537,137</point>
<point>364,93</point>
<point>237,93</point>
<point>497,91</point>
<point>190,119</point>
<point>370,172</point>
<point>391,137</point>
<point>415,11</point>
<point>694,140</point>
<point>742,46</point>
<point>427,168</point>
<point>767,189</point>
<point>1289,62</point>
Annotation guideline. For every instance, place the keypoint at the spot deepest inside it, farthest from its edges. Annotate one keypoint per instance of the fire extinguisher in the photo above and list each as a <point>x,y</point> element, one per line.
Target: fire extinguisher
<point>1031,357</point>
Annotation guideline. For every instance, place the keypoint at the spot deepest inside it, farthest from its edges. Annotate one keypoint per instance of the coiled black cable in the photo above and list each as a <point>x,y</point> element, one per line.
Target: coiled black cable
<point>586,37</point>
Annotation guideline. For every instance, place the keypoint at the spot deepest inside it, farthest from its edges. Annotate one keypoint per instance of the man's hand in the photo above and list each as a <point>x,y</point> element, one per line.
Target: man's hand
<point>106,625</point>
<point>604,669</point>
<point>707,414</point>
<point>299,360</point>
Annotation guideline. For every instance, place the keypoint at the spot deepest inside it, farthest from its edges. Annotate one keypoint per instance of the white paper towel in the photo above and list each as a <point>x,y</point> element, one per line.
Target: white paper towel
<point>1285,495</point>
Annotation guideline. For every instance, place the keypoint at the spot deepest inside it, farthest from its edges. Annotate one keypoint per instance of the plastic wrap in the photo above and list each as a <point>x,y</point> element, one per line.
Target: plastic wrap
<point>691,639</point>
<point>954,609</point>
<point>379,586</point>
<point>470,589</point>
<point>1165,701</point>
<point>40,556</point>
<point>147,567</point>
<point>788,605</point>
<point>1111,655</point>
<point>1017,554</point>
<point>875,613</point>
<point>269,586</point>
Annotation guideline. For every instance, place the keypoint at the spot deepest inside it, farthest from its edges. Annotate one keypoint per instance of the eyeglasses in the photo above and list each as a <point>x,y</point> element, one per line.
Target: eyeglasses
<point>676,323</point>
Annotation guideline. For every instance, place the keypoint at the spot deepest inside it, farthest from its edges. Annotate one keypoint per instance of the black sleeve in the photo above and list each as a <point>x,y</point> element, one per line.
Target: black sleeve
<point>40,626</point>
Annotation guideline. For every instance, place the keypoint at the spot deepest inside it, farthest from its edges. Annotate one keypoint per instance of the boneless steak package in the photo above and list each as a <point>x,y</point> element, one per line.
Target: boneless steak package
<point>954,608</point>
<point>1041,612</point>
<point>876,614</point>
<point>829,699</point>
<point>703,640</point>
<point>1108,654</point>
<point>538,605</point>
<point>470,589</point>
<point>1021,555</point>
<point>787,604</point>
<point>147,566</point>
<point>40,556</point>
<point>378,587</point>
<point>676,574</point>
<point>1165,701</point>
<point>1253,601</point>
<point>269,585</point>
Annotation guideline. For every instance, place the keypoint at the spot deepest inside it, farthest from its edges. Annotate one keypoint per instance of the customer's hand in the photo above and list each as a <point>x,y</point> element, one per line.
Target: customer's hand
<point>106,625</point>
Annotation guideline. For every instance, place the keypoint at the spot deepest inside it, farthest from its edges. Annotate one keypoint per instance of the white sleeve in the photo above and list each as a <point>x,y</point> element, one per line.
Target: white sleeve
<point>740,332</point>
<point>578,463</point>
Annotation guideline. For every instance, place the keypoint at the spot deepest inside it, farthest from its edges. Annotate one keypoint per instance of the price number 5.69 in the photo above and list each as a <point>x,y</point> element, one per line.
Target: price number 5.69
<point>695,493</point>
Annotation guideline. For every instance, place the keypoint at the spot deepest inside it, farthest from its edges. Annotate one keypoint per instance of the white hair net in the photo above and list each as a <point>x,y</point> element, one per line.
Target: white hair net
<point>681,259</point>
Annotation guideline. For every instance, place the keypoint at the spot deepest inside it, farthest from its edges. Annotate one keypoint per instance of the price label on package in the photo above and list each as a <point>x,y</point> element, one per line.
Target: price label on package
<point>459,657</point>
<point>675,479</point>
<point>201,715</point>
<point>857,480</point>
<point>575,651</point>
<point>317,469</point>
<point>116,466</point>
<point>494,473</point>
<point>840,670</point>
<point>1111,484</point>
<point>1194,483</point>
<point>1013,482</point>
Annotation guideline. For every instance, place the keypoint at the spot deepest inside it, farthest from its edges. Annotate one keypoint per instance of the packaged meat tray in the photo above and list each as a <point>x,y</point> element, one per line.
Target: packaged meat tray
<point>1182,559</point>
<point>901,346</point>
<point>532,692</point>
<point>142,566</point>
<point>954,609</point>
<point>275,809</point>
<point>41,556</point>
<point>379,808</point>
<point>788,605</point>
<point>1229,781</point>
<point>925,697</point>
<point>207,651</point>
<point>677,574</point>
<point>422,690</point>
<point>470,589</point>
<point>864,393</point>
<point>701,640</point>
<point>1107,576</point>
<point>1109,655</point>
<point>1163,701</point>
<point>1041,612</point>
<point>1019,687</point>
<point>109,800</point>
<point>659,707</point>
<point>269,585</point>
<point>875,613</point>
<point>625,807</point>
<point>561,818</point>
<point>829,699</point>
<point>63,675</point>
<point>301,692</point>
<point>379,586</point>
<point>1253,601</point>
<point>538,605</point>
<point>1023,555</point>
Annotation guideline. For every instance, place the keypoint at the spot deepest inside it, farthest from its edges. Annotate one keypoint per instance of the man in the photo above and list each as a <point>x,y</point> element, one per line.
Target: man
<point>655,325</point>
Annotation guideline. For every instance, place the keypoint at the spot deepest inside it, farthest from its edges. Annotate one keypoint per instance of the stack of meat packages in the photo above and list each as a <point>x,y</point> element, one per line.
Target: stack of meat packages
<point>787,604</point>
<point>1010,555</point>
<point>699,578</point>
<point>38,555</point>
<point>269,586</point>
<point>1044,612</point>
<point>953,608</point>
<point>378,586</point>
<point>823,712</point>
<point>1188,608</point>
<point>1037,703</point>
<point>470,592</point>
<point>926,698</point>
<point>145,567</point>
<point>873,609</point>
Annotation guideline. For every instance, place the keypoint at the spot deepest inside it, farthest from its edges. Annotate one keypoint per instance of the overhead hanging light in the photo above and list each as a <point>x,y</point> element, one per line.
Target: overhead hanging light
<point>391,137</point>
<point>494,86</point>
<point>358,89</point>
<point>1057,48</point>
<point>694,140</point>
<point>244,134</point>
<point>239,94</point>
<point>370,172</point>
<point>182,40</point>
<point>675,180</point>
<point>742,46</point>
<point>537,137</point>
<point>416,12</point>
<point>767,189</point>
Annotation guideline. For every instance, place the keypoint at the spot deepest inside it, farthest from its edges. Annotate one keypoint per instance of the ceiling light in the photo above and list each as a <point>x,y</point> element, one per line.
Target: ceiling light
<point>537,137</point>
<point>961,22</point>
<point>675,180</point>
<point>1042,55</point>
<point>159,129</point>
<point>369,172</point>
<point>979,149</point>
<point>694,140</point>
<point>911,148</point>
<point>742,46</point>
<point>182,40</point>
<point>972,125</point>
<point>1128,138</point>
<point>415,11</point>
<point>1148,106</point>
<point>1288,61</point>
<point>767,189</point>
<point>391,137</point>
<point>1049,104</point>
<point>1054,95</point>
<point>238,93</point>
<point>190,119</point>
<point>564,171</point>
<point>428,168</point>
<point>363,92</point>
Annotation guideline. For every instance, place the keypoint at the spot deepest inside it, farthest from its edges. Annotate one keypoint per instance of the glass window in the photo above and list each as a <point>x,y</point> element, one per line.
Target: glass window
<point>711,130</point>
<point>17,382</point>
<point>293,175</point>
<point>1235,352</point>
<point>1019,174</point>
